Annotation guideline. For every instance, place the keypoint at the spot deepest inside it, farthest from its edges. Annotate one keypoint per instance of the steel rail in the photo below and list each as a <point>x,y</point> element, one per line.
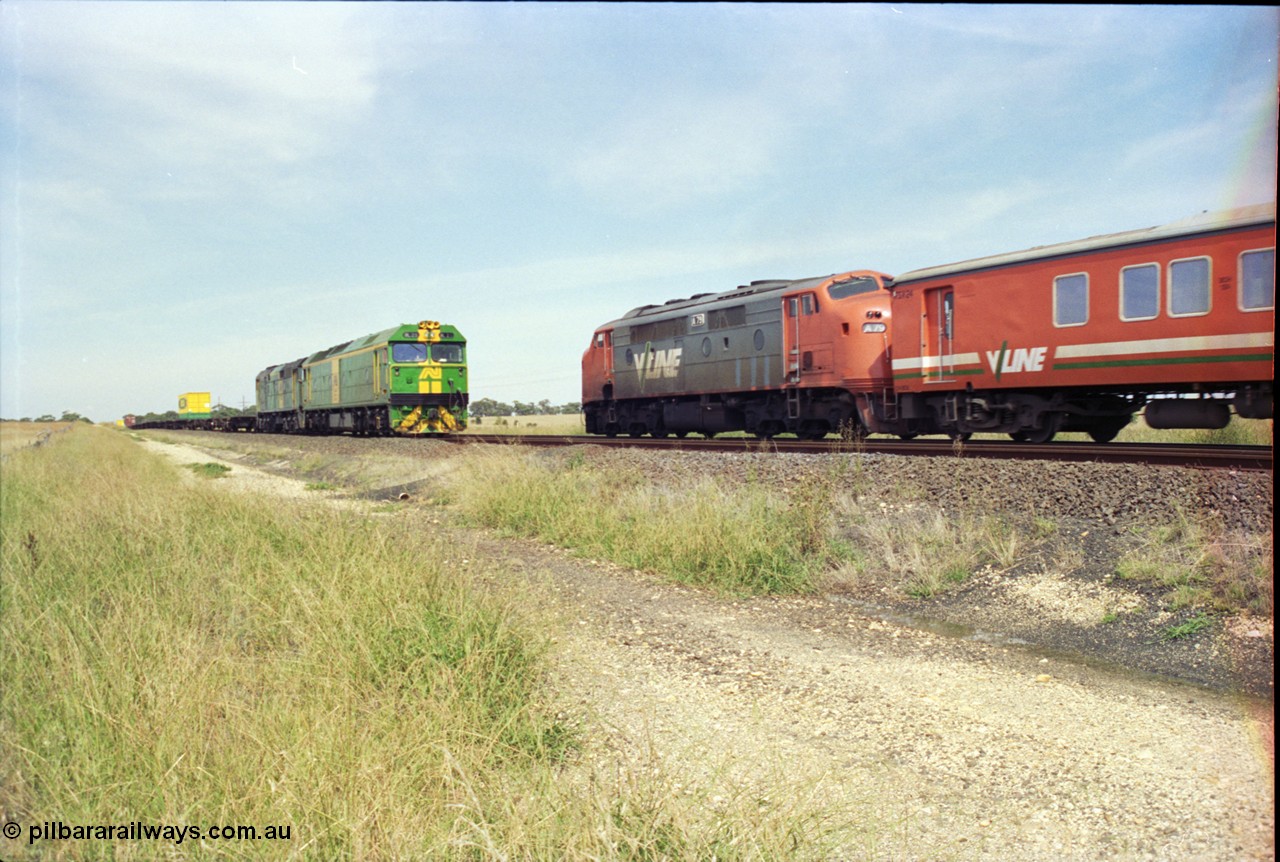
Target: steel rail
<point>1168,454</point>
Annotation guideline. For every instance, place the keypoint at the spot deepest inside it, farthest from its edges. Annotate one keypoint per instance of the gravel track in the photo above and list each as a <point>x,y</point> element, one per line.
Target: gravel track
<point>953,729</point>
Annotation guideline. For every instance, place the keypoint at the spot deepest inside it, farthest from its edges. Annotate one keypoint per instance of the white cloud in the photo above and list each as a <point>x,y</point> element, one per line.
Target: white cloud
<point>184,99</point>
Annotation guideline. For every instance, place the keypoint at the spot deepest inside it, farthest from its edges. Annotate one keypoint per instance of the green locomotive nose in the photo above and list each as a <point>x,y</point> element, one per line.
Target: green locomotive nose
<point>411,379</point>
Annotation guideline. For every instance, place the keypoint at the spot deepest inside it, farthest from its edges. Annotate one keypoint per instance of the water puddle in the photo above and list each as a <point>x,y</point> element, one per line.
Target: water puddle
<point>1079,657</point>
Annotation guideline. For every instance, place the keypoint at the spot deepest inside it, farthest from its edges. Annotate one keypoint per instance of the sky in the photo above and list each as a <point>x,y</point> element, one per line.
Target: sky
<point>191,192</point>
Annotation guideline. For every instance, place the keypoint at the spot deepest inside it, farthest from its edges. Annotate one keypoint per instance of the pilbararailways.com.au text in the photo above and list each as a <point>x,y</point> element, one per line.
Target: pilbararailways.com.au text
<point>56,830</point>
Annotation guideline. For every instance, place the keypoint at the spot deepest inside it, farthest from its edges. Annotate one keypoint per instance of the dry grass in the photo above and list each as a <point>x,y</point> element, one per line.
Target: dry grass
<point>174,654</point>
<point>557,424</point>
<point>1239,432</point>
<point>1203,565</point>
<point>16,435</point>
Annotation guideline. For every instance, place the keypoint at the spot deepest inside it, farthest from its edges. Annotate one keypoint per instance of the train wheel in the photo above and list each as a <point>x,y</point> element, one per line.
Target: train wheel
<point>1105,432</point>
<point>1041,434</point>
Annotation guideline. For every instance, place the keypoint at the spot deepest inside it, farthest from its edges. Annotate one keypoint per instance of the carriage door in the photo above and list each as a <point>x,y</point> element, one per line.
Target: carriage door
<point>807,347</point>
<point>937,337</point>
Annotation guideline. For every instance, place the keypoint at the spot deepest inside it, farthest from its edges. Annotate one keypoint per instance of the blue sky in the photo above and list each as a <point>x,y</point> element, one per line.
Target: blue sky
<point>194,191</point>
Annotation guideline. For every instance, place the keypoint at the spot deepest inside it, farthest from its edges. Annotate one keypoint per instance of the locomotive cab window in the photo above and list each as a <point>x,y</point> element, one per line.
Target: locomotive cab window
<point>409,352</point>
<point>1258,280</point>
<point>1071,299</point>
<point>451,353</point>
<point>1189,287</point>
<point>802,305</point>
<point>852,287</point>
<point>1140,292</point>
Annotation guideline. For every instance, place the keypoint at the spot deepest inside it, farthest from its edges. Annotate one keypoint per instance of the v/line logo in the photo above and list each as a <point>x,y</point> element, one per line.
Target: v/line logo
<point>1006,361</point>
<point>655,364</point>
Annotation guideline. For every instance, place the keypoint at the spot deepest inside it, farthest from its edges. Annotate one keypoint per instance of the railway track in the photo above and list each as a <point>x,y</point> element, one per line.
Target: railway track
<point>1169,454</point>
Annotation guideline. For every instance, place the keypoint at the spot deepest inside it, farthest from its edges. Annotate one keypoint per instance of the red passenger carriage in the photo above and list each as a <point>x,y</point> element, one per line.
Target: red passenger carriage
<point>1082,335</point>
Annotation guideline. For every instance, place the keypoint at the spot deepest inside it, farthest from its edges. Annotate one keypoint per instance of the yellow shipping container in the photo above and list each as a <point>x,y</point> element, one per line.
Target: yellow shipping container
<point>194,405</point>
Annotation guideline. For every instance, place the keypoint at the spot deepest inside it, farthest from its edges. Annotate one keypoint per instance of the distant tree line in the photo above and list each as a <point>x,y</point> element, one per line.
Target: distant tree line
<point>67,416</point>
<point>490,407</point>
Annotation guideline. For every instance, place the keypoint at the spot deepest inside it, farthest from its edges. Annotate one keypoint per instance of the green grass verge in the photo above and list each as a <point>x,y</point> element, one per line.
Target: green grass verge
<point>174,654</point>
<point>179,655</point>
<point>738,540</point>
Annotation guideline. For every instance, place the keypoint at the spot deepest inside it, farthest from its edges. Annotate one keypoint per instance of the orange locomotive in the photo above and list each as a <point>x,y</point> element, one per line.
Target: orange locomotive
<point>769,357</point>
<point>1080,336</point>
<point>1076,336</point>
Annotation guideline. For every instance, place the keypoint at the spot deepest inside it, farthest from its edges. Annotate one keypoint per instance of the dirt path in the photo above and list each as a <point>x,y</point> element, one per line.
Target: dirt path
<point>937,747</point>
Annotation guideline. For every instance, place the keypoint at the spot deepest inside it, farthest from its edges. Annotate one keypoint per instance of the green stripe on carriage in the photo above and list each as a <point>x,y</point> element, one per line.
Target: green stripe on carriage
<point>1177,360</point>
<point>925,375</point>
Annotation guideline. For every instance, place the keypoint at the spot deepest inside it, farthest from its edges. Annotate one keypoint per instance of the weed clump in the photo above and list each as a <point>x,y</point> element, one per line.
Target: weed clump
<point>209,470</point>
<point>1202,565</point>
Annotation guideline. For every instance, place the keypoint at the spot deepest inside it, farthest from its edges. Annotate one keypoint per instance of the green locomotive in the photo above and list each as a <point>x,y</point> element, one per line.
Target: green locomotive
<point>409,380</point>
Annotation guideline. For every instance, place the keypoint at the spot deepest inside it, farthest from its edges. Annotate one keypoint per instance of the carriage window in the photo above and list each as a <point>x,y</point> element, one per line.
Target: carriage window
<point>1189,287</point>
<point>409,352</point>
<point>1071,300</point>
<point>1139,292</point>
<point>1258,280</point>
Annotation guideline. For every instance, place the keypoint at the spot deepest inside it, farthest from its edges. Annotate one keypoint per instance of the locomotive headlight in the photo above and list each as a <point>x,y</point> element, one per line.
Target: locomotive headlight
<point>874,327</point>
